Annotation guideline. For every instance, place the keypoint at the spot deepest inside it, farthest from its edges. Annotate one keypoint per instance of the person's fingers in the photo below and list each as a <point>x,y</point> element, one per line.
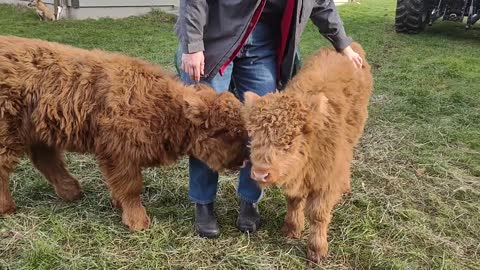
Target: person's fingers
<point>190,72</point>
<point>187,70</point>
<point>357,62</point>
<point>193,65</point>
<point>360,61</point>
<point>196,72</point>
<point>354,61</point>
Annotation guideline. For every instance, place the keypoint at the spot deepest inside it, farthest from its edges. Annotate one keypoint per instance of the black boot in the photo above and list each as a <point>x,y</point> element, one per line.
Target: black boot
<point>205,221</point>
<point>249,217</point>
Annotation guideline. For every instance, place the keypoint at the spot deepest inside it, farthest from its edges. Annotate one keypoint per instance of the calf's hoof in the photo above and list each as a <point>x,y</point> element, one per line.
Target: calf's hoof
<point>69,191</point>
<point>291,231</point>
<point>316,255</point>
<point>116,204</point>
<point>136,219</point>
<point>7,208</point>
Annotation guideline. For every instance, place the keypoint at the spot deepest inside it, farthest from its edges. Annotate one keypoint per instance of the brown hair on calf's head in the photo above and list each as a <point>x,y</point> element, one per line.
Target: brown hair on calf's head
<point>221,137</point>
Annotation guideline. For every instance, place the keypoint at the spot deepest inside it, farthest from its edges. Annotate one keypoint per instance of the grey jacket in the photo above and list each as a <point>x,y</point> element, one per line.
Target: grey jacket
<point>217,27</point>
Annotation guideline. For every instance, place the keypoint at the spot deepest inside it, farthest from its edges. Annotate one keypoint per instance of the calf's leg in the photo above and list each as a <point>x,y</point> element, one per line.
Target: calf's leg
<point>319,209</point>
<point>126,183</point>
<point>8,161</point>
<point>10,152</point>
<point>49,161</point>
<point>295,219</point>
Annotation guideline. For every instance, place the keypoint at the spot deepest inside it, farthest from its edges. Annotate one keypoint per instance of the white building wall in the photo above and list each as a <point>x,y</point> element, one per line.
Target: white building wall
<point>83,9</point>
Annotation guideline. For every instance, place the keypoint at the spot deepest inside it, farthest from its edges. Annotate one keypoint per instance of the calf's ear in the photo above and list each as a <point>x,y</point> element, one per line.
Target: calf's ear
<point>250,98</point>
<point>195,109</point>
<point>319,104</point>
<point>318,107</point>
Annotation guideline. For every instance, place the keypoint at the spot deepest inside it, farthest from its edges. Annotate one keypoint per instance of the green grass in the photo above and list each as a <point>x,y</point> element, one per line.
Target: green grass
<point>416,176</point>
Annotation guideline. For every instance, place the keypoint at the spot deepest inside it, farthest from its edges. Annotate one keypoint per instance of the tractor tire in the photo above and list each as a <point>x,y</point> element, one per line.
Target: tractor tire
<point>411,16</point>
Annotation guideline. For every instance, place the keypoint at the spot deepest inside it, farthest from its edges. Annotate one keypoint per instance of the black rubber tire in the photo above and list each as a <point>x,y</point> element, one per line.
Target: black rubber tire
<point>411,16</point>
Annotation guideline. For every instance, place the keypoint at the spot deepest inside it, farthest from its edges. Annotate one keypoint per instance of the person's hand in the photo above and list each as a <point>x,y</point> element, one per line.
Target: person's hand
<point>193,64</point>
<point>353,56</point>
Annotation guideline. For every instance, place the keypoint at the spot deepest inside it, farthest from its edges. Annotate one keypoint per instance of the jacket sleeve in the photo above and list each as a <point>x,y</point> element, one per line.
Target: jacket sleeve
<point>191,21</point>
<point>325,16</point>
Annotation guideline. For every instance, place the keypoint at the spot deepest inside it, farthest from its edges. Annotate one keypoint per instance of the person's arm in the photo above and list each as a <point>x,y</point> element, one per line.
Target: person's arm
<point>193,18</point>
<point>325,16</point>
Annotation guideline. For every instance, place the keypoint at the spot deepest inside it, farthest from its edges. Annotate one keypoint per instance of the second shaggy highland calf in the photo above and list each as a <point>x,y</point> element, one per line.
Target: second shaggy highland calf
<point>302,139</point>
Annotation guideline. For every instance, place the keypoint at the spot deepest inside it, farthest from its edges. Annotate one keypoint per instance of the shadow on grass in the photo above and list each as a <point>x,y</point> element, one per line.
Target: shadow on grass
<point>453,31</point>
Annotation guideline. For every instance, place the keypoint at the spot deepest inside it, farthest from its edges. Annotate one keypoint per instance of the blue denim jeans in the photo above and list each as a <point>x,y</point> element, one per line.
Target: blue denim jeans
<point>252,70</point>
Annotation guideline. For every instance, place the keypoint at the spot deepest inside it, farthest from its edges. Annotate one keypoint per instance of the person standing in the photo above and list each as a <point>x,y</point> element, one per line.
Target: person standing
<point>254,44</point>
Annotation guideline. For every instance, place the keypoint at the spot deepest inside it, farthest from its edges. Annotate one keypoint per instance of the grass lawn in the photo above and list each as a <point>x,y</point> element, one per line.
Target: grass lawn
<point>416,180</point>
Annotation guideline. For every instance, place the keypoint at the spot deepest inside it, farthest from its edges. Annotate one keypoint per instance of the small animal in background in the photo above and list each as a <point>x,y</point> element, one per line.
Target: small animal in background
<point>43,11</point>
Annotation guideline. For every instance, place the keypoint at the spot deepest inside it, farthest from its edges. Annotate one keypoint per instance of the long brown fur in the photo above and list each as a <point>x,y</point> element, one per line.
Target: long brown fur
<point>128,113</point>
<point>302,139</point>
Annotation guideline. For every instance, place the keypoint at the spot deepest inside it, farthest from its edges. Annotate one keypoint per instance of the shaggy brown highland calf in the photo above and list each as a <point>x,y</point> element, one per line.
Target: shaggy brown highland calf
<point>128,113</point>
<point>302,140</point>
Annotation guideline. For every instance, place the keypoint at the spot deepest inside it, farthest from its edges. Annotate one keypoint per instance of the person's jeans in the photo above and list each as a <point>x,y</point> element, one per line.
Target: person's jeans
<point>252,70</point>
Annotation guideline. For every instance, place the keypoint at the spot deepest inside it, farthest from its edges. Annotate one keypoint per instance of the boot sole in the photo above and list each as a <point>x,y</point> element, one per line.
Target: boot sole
<point>206,234</point>
<point>252,229</point>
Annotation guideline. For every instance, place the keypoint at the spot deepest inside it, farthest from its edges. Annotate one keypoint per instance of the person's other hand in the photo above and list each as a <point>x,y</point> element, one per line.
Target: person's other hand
<point>353,56</point>
<point>193,64</point>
